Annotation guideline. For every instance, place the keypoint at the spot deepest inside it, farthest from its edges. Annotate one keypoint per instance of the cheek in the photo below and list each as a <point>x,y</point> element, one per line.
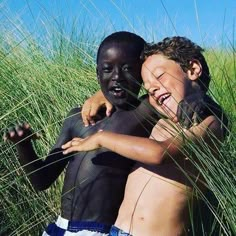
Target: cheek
<point>146,85</point>
<point>104,85</point>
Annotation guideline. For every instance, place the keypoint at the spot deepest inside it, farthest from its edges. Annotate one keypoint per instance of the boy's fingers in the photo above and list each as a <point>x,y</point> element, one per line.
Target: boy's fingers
<point>109,108</point>
<point>5,137</point>
<point>92,113</point>
<point>195,119</point>
<point>187,123</point>
<point>73,142</point>
<point>26,125</point>
<point>11,132</point>
<point>71,149</point>
<point>66,145</point>
<point>90,120</point>
<point>86,113</point>
<point>38,136</point>
<point>88,117</point>
<point>76,139</point>
<point>93,110</point>
<point>85,121</point>
<point>19,130</point>
<point>85,118</point>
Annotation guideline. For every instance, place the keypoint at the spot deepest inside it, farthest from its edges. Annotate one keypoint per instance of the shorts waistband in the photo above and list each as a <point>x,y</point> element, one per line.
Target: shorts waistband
<point>117,232</point>
<point>75,226</point>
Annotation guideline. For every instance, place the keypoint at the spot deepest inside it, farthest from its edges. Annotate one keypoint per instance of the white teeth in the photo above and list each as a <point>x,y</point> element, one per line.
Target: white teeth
<point>162,99</point>
<point>117,89</point>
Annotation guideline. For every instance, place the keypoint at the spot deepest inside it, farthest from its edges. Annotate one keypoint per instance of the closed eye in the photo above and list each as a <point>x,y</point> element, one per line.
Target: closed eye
<point>159,76</point>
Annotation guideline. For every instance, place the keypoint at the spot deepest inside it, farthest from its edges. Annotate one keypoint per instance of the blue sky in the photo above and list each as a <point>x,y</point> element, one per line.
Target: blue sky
<point>206,22</point>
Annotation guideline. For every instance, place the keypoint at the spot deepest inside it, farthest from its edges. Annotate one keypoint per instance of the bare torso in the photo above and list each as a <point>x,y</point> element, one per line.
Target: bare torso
<point>157,198</point>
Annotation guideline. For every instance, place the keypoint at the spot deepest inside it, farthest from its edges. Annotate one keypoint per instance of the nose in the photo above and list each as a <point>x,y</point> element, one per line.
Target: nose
<point>153,90</point>
<point>117,75</point>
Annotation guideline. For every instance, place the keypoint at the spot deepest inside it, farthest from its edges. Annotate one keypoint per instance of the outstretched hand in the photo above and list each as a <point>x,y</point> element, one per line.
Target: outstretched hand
<point>20,133</point>
<point>191,109</point>
<point>81,145</point>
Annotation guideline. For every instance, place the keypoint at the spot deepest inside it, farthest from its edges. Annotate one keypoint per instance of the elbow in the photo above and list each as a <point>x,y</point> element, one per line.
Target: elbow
<point>38,187</point>
<point>159,155</point>
<point>151,157</point>
<point>157,161</point>
<point>153,160</point>
<point>40,183</point>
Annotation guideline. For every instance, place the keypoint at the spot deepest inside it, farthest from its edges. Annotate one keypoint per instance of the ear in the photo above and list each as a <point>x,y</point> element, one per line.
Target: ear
<point>195,70</point>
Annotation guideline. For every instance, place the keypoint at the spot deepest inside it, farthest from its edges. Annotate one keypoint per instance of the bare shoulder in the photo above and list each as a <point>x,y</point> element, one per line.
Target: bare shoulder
<point>210,126</point>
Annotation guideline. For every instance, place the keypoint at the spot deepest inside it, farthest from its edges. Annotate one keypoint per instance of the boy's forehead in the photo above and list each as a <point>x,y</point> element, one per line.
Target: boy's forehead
<point>119,46</point>
<point>158,60</point>
<point>118,50</point>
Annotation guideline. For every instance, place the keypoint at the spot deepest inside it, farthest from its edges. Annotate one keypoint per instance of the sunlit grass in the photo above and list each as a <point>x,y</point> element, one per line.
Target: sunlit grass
<point>41,80</point>
<point>39,83</point>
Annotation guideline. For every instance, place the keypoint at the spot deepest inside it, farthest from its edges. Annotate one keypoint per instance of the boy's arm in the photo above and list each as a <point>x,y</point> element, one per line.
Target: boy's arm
<point>146,150</point>
<point>189,109</point>
<point>41,173</point>
<point>22,135</point>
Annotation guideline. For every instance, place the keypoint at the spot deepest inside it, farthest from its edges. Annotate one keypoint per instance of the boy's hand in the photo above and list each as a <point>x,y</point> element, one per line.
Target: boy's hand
<point>19,133</point>
<point>82,145</point>
<point>91,107</point>
<point>191,109</point>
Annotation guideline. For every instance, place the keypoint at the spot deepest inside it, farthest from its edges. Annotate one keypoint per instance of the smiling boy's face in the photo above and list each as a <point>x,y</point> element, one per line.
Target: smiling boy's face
<point>119,73</point>
<point>166,83</point>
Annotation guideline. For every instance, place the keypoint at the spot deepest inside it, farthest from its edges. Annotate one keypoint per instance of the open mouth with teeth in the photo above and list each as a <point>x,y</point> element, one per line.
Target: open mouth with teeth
<point>162,98</point>
<point>117,91</point>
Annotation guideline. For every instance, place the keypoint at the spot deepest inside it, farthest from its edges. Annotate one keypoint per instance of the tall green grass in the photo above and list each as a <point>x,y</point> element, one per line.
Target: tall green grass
<point>41,79</point>
<point>40,83</point>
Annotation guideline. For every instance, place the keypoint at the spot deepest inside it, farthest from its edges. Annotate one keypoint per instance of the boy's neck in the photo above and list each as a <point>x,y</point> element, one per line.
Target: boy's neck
<point>128,107</point>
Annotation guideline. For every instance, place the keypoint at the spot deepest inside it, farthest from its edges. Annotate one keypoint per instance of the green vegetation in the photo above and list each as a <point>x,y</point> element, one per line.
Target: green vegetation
<point>39,84</point>
<point>40,80</point>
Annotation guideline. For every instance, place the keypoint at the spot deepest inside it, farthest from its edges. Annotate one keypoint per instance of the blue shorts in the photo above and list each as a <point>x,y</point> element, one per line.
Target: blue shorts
<point>63,227</point>
<point>118,232</point>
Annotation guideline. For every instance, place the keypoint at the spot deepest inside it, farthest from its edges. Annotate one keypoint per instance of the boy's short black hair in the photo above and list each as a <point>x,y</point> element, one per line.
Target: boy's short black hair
<point>181,50</point>
<point>134,40</point>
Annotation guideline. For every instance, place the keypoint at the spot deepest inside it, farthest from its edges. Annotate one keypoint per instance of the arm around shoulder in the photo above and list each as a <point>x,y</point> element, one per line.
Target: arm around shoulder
<point>147,150</point>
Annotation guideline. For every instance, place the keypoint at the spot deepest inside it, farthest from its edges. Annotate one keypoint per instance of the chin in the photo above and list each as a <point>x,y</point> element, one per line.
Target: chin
<point>118,101</point>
